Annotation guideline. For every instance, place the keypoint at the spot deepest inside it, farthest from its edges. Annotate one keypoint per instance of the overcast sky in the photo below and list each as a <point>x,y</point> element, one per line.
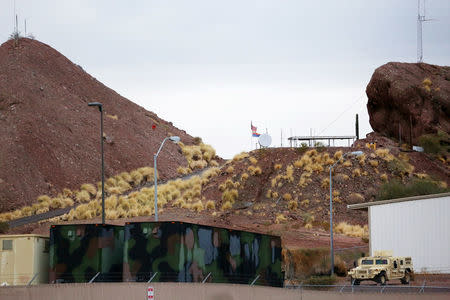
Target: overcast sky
<point>211,67</point>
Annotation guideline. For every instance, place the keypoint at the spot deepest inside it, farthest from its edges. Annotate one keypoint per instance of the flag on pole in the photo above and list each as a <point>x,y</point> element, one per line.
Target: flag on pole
<point>254,128</point>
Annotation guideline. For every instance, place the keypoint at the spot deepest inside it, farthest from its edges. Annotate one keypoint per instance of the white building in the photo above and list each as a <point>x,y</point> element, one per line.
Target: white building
<point>415,226</point>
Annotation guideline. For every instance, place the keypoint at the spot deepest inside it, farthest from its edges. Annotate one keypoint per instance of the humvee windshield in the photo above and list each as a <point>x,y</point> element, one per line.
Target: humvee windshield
<point>367,262</point>
<point>381,262</point>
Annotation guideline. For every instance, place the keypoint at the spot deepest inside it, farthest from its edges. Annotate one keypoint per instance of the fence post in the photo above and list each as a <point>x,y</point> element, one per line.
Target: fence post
<point>206,278</point>
<point>93,278</point>
<point>254,280</point>
<point>150,280</point>
<point>34,277</point>
<point>422,289</point>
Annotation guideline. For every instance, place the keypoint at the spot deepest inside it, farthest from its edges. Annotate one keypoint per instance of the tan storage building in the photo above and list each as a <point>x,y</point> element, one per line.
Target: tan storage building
<point>22,257</point>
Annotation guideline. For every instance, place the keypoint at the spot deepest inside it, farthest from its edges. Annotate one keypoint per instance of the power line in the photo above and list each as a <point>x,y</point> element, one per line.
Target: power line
<point>341,114</point>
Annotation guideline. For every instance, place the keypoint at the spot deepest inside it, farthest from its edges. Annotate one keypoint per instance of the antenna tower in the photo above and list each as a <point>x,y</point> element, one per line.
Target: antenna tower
<point>420,19</point>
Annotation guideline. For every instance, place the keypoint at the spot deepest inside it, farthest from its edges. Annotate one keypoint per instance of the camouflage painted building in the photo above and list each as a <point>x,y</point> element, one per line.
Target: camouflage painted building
<point>184,252</point>
<point>79,251</point>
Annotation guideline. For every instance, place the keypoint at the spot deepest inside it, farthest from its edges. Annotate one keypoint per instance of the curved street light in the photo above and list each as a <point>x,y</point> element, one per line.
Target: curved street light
<point>354,153</point>
<point>174,139</point>
<point>100,108</point>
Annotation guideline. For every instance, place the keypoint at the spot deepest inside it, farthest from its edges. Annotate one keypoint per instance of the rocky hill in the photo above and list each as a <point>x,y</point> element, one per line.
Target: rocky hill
<point>408,100</point>
<point>50,137</point>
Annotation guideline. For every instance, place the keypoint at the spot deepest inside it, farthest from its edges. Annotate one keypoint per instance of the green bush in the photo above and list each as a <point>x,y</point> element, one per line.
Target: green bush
<point>4,227</point>
<point>434,143</point>
<point>321,280</point>
<point>396,189</point>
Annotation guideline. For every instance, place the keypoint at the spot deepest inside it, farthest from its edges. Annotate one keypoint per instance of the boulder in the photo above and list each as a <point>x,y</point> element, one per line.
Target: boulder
<point>409,99</point>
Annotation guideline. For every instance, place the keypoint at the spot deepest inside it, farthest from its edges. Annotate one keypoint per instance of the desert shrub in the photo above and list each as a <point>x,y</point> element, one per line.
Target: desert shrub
<point>384,154</point>
<point>373,163</point>
<point>292,205</point>
<point>197,140</point>
<point>289,173</point>
<point>230,170</point>
<point>340,177</point>
<point>321,280</point>
<point>44,199</point>
<point>347,163</point>
<point>147,172</point>
<point>230,195</point>
<point>67,192</point>
<point>227,205</point>
<point>184,171</point>
<point>356,172</point>
<point>355,198</point>
<point>274,195</point>
<point>90,188</point>
<point>254,170</point>
<point>240,156</point>
<point>351,230</point>
<point>277,166</point>
<point>56,203</point>
<point>396,189</point>
<point>210,204</point>
<point>280,219</point>
<point>287,197</point>
<point>307,217</point>
<point>244,176</point>
<point>4,227</point>
<point>399,167</point>
<point>431,143</point>
<point>325,182</point>
<point>213,163</point>
<point>137,177</point>
<point>304,203</point>
<point>384,177</point>
<point>338,155</point>
<point>198,206</point>
<point>82,196</point>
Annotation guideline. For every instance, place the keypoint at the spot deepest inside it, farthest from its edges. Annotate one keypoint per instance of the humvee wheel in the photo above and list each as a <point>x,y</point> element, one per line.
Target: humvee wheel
<point>382,279</point>
<point>406,279</point>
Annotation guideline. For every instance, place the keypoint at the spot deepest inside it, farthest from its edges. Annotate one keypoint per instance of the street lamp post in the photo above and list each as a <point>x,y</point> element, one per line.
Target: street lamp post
<point>356,153</point>
<point>100,108</point>
<point>174,139</point>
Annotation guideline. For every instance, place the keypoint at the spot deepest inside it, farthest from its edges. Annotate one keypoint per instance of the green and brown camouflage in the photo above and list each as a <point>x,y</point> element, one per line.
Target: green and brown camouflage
<point>184,252</point>
<point>79,251</point>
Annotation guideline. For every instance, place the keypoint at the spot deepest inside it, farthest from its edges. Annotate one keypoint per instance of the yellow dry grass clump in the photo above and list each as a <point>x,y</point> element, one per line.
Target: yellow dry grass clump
<point>254,170</point>
<point>325,182</point>
<point>287,197</point>
<point>304,203</point>
<point>352,230</point>
<point>356,172</point>
<point>373,163</point>
<point>280,219</point>
<point>229,170</point>
<point>227,205</point>
<point>253,160</point>
<point>244,176</point>
<point>240,156</point>
<point>198,156</point>
<point>384,154</point>
<point>293,205</point>
<point>277,167</point>
<point>384,177</point>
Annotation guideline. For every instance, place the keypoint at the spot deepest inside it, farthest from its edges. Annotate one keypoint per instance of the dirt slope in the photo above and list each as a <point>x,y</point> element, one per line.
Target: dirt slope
<point>49,135</point>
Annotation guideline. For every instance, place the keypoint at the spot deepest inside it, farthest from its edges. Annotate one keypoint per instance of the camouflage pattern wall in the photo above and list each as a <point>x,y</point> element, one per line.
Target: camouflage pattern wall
<point>79,251</point>
<point>184,252</point>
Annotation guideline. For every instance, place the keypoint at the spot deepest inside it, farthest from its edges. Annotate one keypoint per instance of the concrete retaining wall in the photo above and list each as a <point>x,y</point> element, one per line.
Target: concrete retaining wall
<point>186,291</point>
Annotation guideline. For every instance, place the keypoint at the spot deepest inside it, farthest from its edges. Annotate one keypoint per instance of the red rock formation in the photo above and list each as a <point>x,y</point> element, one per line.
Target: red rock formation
<point>409,98</point>
<point>50,137</point>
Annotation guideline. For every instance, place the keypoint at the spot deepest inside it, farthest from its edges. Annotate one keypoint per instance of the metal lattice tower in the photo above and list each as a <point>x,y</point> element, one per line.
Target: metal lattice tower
<point>420,19</point>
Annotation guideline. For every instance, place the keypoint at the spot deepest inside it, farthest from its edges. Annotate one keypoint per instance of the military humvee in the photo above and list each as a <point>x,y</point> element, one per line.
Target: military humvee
<point>381,268</point>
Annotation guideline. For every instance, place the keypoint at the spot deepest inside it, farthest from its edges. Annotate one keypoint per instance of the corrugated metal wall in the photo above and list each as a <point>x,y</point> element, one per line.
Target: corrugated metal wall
<point>420,229</point>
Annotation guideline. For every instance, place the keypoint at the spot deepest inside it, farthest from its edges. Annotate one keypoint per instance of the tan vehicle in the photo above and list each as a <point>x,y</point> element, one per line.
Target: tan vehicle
<point>382,269</point>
